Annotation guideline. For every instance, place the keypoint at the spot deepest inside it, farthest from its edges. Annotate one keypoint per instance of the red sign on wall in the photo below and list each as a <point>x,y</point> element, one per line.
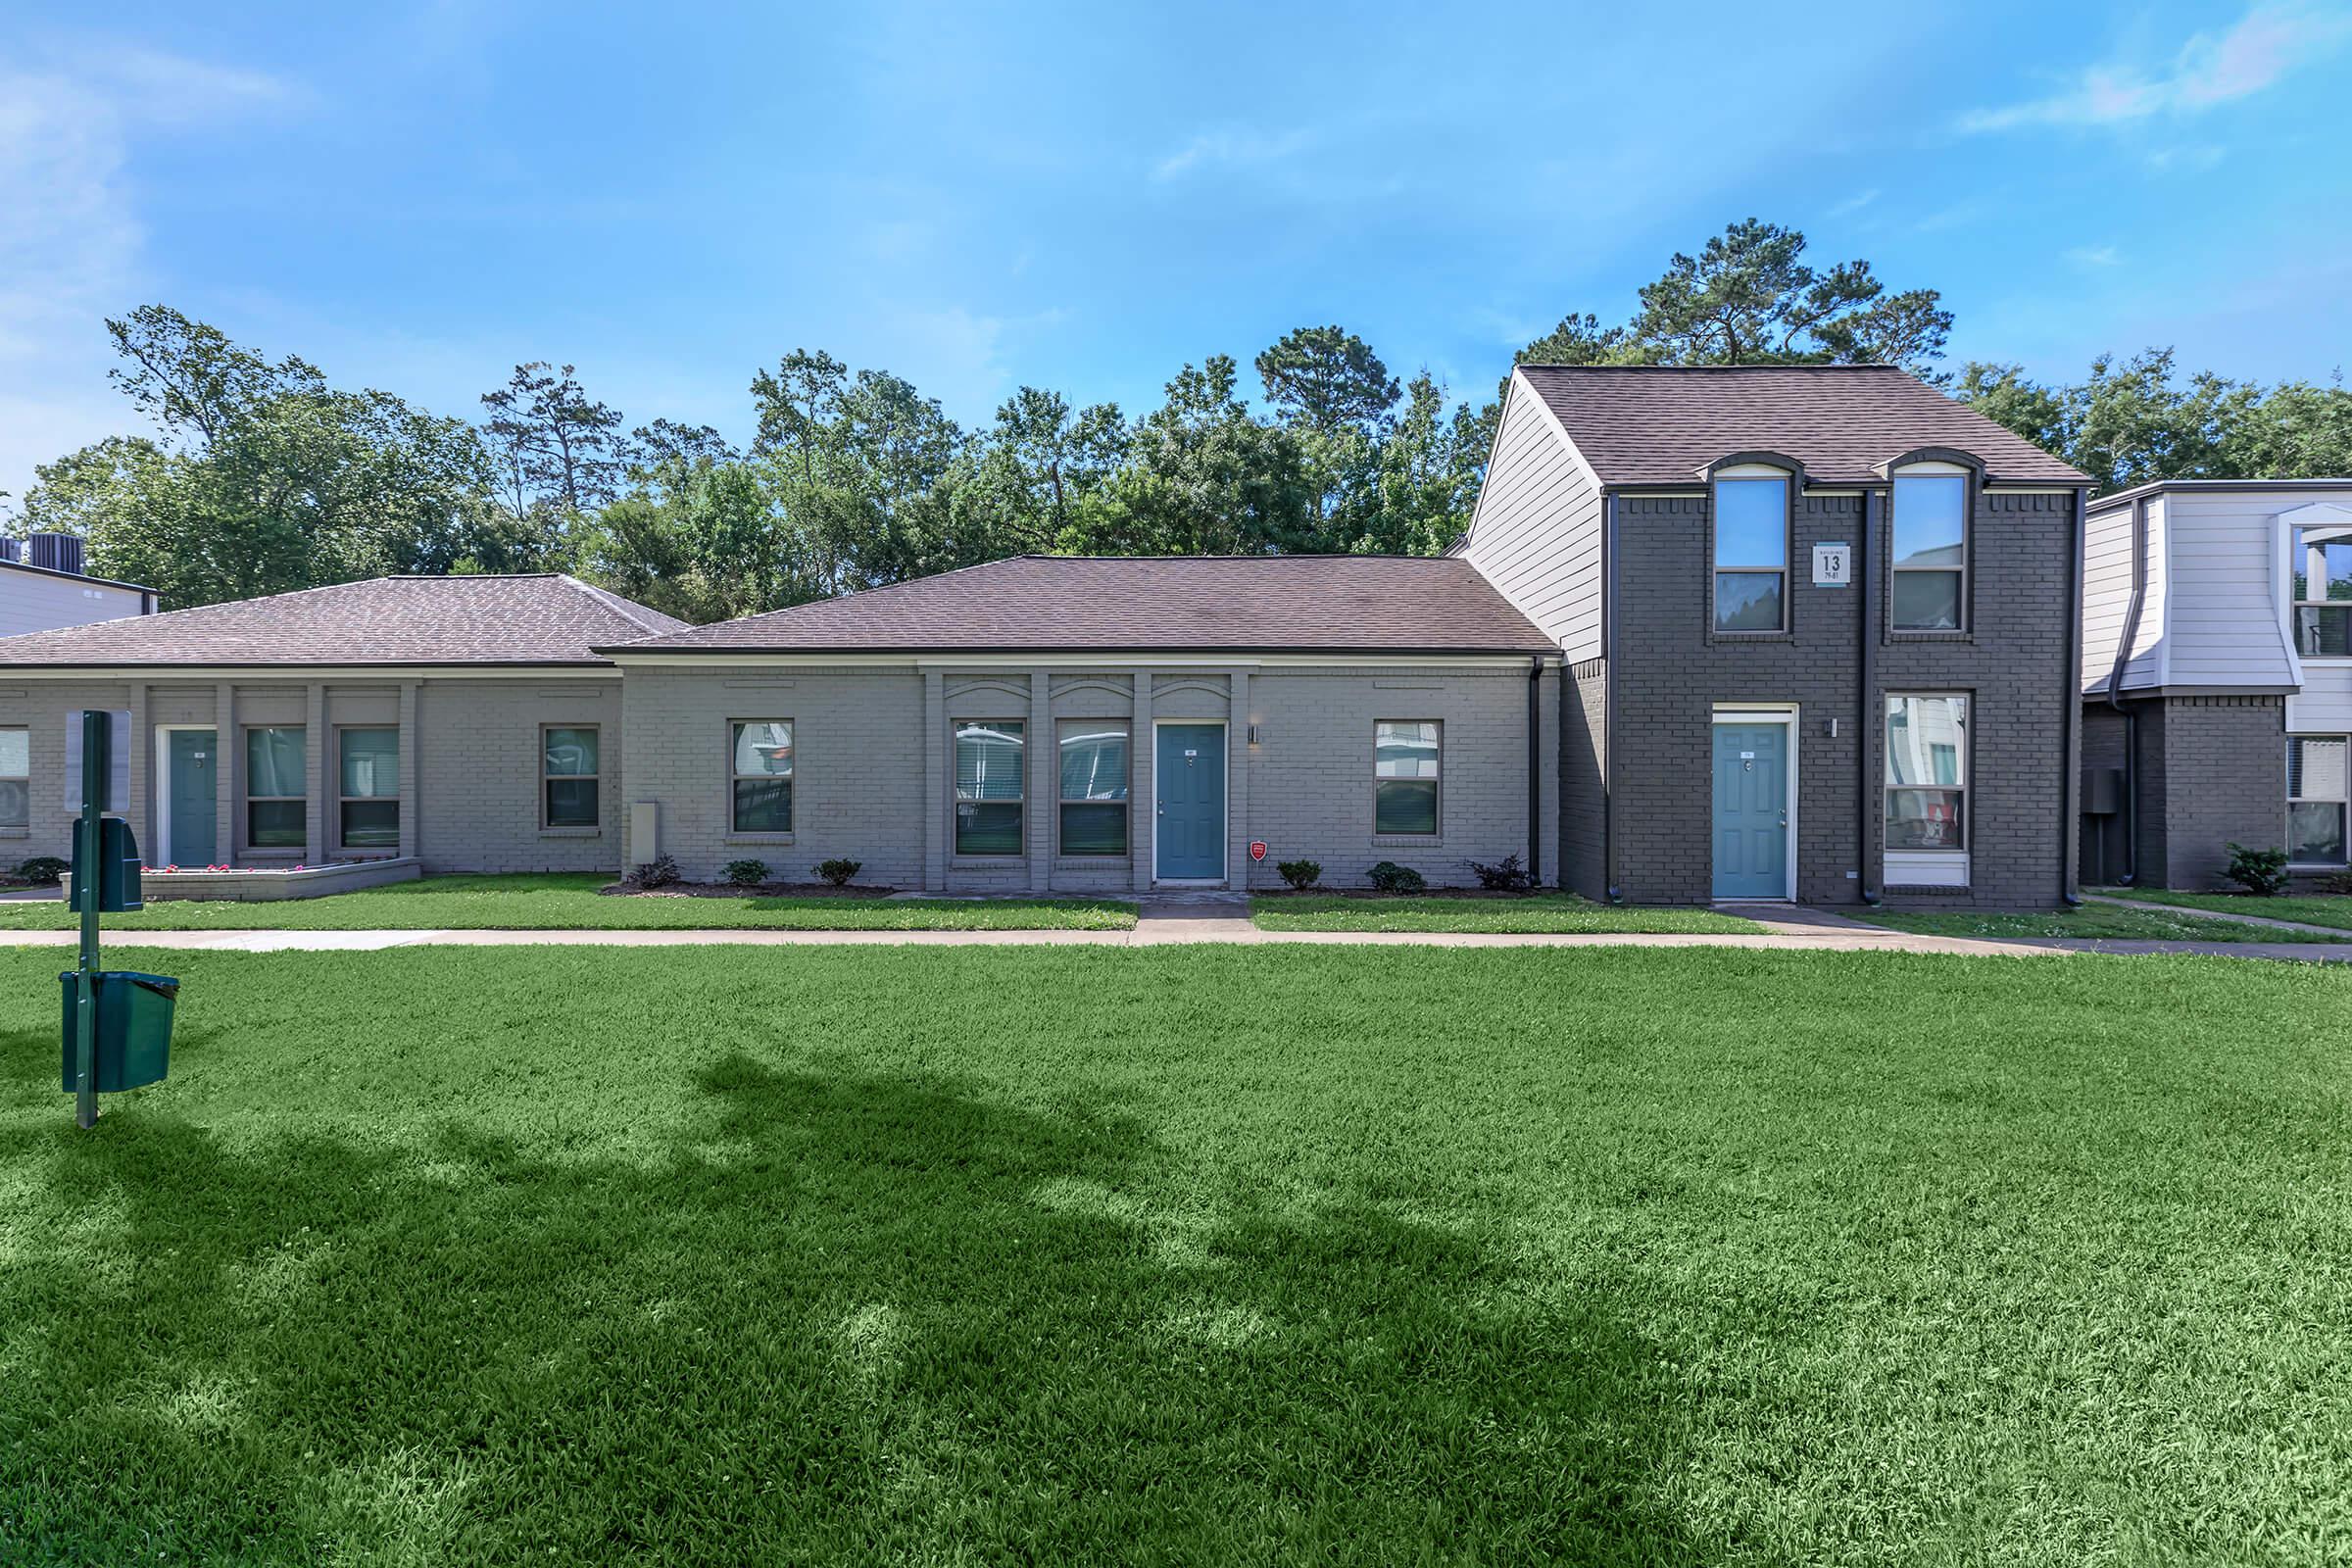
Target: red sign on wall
<point>1257,849</point>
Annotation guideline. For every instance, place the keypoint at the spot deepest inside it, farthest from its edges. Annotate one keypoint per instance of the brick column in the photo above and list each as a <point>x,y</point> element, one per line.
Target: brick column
<point>1237,780</point>
<point>407,768</point>
<point>138,810</point>
<point>937,802</point>
<point>315,743</point>
<point>229,772</point>
<point>1142,800</point>
<point>1041,778</point>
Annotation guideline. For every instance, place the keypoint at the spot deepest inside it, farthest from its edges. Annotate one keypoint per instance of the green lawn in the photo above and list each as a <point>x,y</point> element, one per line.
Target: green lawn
<point>1538,912</point>
<point>2091,920</point>
<point>2312,909</point>
<point>1185,1256</point>
<point>561,902</point>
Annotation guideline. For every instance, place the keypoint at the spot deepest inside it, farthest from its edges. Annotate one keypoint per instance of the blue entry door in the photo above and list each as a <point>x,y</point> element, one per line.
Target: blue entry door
<point>1751,810</point>
<point>1191,784</point>
<point>194,774</point>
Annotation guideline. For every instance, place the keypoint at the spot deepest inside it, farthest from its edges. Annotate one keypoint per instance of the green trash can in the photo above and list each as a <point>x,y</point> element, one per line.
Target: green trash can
<point>134,1028</point>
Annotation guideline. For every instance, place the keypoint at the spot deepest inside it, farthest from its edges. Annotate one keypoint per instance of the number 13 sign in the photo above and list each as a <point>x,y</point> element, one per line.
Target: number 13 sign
<point>1833,565</point>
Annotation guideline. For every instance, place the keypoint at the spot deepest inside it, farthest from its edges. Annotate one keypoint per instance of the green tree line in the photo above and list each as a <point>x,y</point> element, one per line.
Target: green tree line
<point>256,476</point>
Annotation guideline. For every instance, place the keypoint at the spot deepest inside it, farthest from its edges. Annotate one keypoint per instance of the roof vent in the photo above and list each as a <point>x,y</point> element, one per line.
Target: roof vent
<point>57,552</point>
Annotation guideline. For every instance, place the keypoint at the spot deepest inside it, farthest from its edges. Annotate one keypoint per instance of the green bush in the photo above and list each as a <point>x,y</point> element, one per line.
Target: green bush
<point>43,868</point>
<point>1300,874</point>
<point>2259,871</point>
<point>1390,877</point>
<point>747,873</point>
<point>839,871</point>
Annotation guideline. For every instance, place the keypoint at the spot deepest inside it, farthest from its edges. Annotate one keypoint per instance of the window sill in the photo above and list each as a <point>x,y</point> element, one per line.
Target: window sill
<point>1084,862</point>
<point>1751,637</point>
<point>1408,841</point>
<point>1894,636</point>
<point>16,832</point>
<point>572,832</point>
<point>758,838</point>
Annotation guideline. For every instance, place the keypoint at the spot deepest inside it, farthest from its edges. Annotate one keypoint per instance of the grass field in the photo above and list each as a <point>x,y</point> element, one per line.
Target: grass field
<point>2091,920</point>
<point>2312,909</point>
<point>566,901</point>
<point>1192,1256</point>
<point>1538,912</point>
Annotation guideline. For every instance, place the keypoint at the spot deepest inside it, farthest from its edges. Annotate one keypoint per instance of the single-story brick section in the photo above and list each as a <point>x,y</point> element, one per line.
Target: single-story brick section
<point>1043,723</point>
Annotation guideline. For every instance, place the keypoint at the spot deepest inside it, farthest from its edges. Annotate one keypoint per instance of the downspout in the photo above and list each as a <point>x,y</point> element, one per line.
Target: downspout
<point>2070,731</point>
<point>2115,686</point>
<point>1608,704</point>
<point>1535,774</point>
<point>1866,708</point>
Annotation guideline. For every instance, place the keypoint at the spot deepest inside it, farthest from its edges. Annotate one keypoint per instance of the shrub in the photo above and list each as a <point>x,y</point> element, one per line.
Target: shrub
<point>656,873</point>
<point>1300,874</point>
<point>2262,871</point>
<point>838,872</point>
<point>1390,877</point>
<point>1504,876</point>
<point>44,868</point>
<point>747,873</point>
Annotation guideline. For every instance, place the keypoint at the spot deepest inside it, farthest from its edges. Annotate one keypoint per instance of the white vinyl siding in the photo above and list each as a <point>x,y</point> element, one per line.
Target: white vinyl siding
<point>1537,533</point>
<point>2107,597</point>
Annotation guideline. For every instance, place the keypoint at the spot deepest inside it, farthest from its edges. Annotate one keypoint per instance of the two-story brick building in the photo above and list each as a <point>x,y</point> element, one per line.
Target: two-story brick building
<point>1819,625</point>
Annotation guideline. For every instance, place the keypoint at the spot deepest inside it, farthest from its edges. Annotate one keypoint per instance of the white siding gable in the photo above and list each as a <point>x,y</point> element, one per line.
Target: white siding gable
<point>1537,533</point>
<point>34,600</point>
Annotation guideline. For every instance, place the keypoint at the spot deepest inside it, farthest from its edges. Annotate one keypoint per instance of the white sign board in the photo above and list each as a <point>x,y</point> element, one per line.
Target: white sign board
<point>1833,565</point>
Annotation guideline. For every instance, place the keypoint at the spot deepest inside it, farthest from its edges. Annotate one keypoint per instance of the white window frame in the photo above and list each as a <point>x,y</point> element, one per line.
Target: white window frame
<point>2343,803</point>
<point>957,802</point>
<point>1436,831</point>
<point>792,739</point>
<point>1750,473</point>
<point>343,801</point>
<point>1968,531</point>
<point>1929,867</point>
<point>245,734</point>
<point>546,823</point>
<point>1061,801</point>
<point>25,779</point>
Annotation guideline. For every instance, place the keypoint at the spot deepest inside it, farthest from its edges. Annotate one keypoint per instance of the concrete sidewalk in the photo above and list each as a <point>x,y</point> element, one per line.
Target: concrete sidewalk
<point>1171,922</point>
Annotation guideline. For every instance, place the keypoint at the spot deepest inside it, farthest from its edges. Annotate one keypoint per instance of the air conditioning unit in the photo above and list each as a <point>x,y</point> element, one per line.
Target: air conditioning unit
<point>57,552</point>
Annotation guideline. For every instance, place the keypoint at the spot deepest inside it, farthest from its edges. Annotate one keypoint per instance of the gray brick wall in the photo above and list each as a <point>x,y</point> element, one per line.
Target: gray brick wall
<point>868,770</point>
<point>473,768</point>
<point>2211,769</point>
<point>1584,790</point>
<point>1673,671</point>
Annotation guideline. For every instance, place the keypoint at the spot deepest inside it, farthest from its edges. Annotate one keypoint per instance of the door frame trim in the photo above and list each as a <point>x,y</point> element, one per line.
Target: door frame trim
<point>1784,716</point>
<point>1224,805</point>
<point>169,851</point>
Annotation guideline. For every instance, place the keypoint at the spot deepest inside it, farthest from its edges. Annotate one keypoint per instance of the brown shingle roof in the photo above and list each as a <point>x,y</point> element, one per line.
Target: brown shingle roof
<point>1148,604</point>
<point>538,619</point>
<point>1658,425</point>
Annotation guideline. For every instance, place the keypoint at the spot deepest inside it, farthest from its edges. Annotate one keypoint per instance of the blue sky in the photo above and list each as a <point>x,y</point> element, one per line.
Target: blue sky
<point>418,198</point>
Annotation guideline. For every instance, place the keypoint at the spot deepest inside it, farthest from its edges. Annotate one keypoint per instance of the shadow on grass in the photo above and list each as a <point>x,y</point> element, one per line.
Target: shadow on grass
<point>836,1318</point>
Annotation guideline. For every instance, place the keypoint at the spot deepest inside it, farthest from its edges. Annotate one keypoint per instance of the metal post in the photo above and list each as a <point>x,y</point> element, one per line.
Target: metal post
<point>88,878</point>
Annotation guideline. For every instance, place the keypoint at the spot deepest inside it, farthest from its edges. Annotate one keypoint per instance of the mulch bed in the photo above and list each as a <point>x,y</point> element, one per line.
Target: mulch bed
<point>761,890</point>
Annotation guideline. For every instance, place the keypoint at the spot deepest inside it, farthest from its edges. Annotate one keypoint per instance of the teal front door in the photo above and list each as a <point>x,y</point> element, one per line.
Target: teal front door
<point>1191,784</point>
<point>194,770</point>
<point>1751,810</point>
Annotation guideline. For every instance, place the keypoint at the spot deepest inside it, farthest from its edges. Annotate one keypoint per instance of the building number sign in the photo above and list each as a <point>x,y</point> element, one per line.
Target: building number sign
<point>1833,565</point>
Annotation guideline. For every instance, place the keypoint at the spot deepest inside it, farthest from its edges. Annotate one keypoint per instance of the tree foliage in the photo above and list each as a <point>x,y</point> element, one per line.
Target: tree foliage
<point>2134,421</point>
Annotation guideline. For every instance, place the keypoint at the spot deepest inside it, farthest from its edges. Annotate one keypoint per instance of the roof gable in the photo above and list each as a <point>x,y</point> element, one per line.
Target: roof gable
<point>1668,424</point>
<point>537,619</point>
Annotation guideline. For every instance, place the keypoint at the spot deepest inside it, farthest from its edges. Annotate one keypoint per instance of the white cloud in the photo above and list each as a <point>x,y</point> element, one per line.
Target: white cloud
<point>1233,148</point>
<point>1853,204</point>
<point>73,246</point>
<point>2264,46</point>
<point>2193,160</point>
<point>2095,255</point>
